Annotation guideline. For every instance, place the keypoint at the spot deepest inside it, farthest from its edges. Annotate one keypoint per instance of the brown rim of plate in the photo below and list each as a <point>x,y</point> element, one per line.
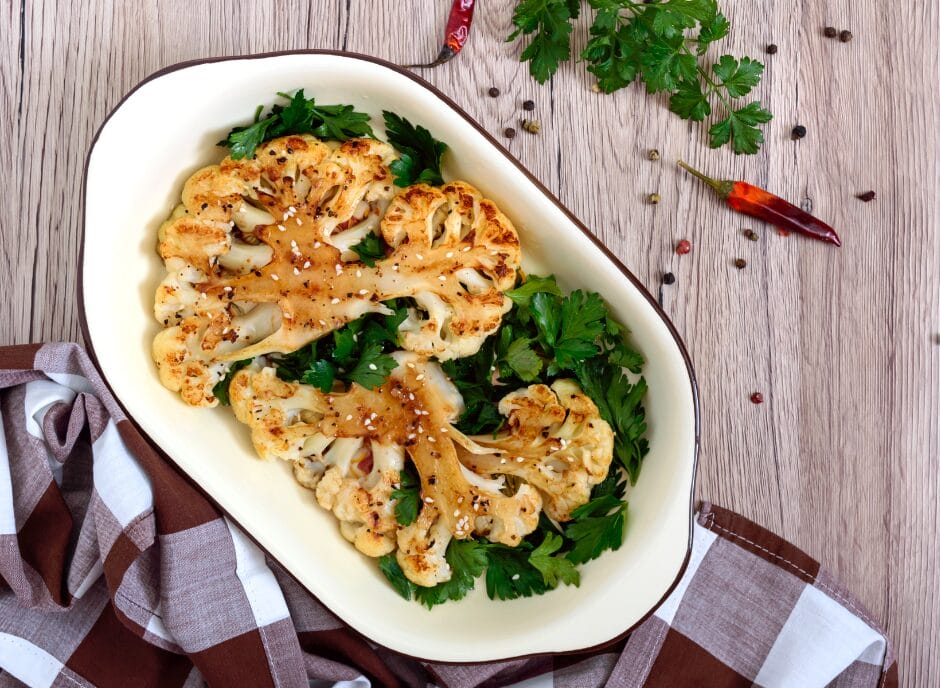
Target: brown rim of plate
<point>83,323</point>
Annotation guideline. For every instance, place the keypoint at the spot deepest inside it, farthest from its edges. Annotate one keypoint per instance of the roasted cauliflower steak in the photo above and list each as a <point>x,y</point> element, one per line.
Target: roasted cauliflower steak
<point>259,259</point>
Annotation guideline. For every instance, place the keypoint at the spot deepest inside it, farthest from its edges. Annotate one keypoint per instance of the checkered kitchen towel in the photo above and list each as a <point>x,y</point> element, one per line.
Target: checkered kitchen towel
<point>115,571</point>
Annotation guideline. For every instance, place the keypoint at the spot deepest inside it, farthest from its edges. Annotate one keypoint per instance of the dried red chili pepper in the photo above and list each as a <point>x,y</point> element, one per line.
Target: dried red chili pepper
<point>456,33</point>
<point>754,201</point>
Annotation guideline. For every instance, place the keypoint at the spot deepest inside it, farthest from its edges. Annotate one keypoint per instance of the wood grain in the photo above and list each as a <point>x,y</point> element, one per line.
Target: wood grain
<point>844,344</point>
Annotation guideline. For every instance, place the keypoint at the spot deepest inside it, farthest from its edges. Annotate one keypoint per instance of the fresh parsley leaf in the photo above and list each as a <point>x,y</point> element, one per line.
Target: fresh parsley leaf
<point>666,64</point>
<point>510,575</point>
<point>300,116</point>
<point>738,78</point>
<point>421,153</point>
<point>407,496</point>
<point>740,128</point>
<point>389,566</point>
<point>220,390</point>
<point>554,568</point>
<point>597,527</point>
<point>370,249</point>
<point>523,360</point>
<point>467,559</point>
<point>522,295</point>
<point>320,374</point>
<point>582,322</point>
<point>689,102</point>
<point>549,24</point>
<point>546,312</point>
<point>372,368</point>
<point>712,30</point>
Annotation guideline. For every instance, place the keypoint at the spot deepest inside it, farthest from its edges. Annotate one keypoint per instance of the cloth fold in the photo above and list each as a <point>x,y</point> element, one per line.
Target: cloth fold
<point>116,571</point>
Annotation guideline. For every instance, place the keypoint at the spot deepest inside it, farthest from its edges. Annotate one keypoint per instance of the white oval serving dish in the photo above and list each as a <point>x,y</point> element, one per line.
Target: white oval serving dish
<point>165,129</point>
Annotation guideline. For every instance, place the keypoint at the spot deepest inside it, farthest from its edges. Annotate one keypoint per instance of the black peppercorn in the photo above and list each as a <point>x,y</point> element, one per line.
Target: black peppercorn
<point>740,263</point>
<point>845,35</point>
<point>493,91</point>
<point>830,32</point>
<point>669,278</point>
<point>509,132</point>
<point>528,105</point>
<point>799,131</point>
<point>867,196</point>
<point>772,49</point>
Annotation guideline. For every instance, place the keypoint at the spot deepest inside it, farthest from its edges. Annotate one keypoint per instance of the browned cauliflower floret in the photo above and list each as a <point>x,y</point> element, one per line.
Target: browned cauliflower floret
<point>556,442</point>
<point>278,231</point>
<point>421,549</point>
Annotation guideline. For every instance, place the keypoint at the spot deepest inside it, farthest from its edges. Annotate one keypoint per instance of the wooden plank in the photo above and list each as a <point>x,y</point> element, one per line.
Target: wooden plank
<point>842,343</point>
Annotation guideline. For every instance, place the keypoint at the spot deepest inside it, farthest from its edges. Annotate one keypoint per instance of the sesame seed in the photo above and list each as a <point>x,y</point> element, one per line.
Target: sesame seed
<point>296,271</point>
<point>322,322</point>
<point>419,256</point>
<point>317,244</point>
<point>293,243</point>
<point>334,300</point>
<point>411,365</point>
<point>373,416</point>
<point>420,429</point>
<point>449,254</point>
<point>411,396</point>
<point>363,291</point>
<point>515,576</point>
<point>349,417</point>
<point>494,253</point>
<point>502,460</point>
<point>306,264</point>
<point>570,459</point>
<point>358,273</point>
<point>519,459</point>
<point>456,512</point>
<point>466,248</point>
<point>275,278</point>
<point>442,278</point>
<point>372,366</point>
<point>224,330</point>
<point>460,500</point>
<point>411,436</point>
<point>420,377</point>
<point>431,438</point>
<point>339,269</point>
<point>443,429</point>
<point>292,210</point>
<point>226,289</point>
<point>298,221</point>
<point>282,228</point>
<point>428,500</point>
<point>286,215</point>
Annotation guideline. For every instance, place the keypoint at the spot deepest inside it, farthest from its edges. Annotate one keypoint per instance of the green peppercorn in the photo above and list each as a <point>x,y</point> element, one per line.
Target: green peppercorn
<point>652,154</point>
<point>654,198</point>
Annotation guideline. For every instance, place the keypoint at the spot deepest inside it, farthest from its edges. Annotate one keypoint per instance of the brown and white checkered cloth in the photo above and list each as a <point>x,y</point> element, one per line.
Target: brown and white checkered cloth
<point>115,571</point>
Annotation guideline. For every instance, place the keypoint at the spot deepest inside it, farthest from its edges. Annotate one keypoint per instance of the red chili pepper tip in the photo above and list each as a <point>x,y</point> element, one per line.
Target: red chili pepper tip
<point>683,247</point>
<point>757,398</point>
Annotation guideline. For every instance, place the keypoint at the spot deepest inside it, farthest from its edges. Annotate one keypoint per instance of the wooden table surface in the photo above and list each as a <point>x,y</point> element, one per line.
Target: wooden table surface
<point>843,343</point>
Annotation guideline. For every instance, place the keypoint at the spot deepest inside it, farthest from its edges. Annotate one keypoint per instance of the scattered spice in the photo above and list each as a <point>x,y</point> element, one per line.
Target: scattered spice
<point>772,49</point>
<point>509,132</point>
<point>740,263</point>
<point>750,235</point>
<point>669,278</point>
<point>830,32</point>
<point>845,35</point>
<point>757,398</point>
<point>493,91</point>
<point>653,154</point>
<point>752,200</point>
<point>867,196</point>
<point>654,198</point>
<point>683,247</point>
<point>533,126</point>
<point>799,131</point>
<point>528,105</point>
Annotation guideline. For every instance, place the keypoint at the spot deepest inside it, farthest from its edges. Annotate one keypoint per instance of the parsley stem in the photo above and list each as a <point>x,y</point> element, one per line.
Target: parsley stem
<point>715,88</point>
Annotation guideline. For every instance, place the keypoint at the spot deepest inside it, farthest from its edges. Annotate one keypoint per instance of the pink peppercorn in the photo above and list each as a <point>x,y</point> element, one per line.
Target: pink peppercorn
<point>683,247</point>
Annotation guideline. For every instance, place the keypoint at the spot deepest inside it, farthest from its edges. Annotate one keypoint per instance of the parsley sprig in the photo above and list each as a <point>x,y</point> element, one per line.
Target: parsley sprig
<point>662,45</point>
<point>421,153</point>
<point>300,116</point>
<point>356,352</point>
